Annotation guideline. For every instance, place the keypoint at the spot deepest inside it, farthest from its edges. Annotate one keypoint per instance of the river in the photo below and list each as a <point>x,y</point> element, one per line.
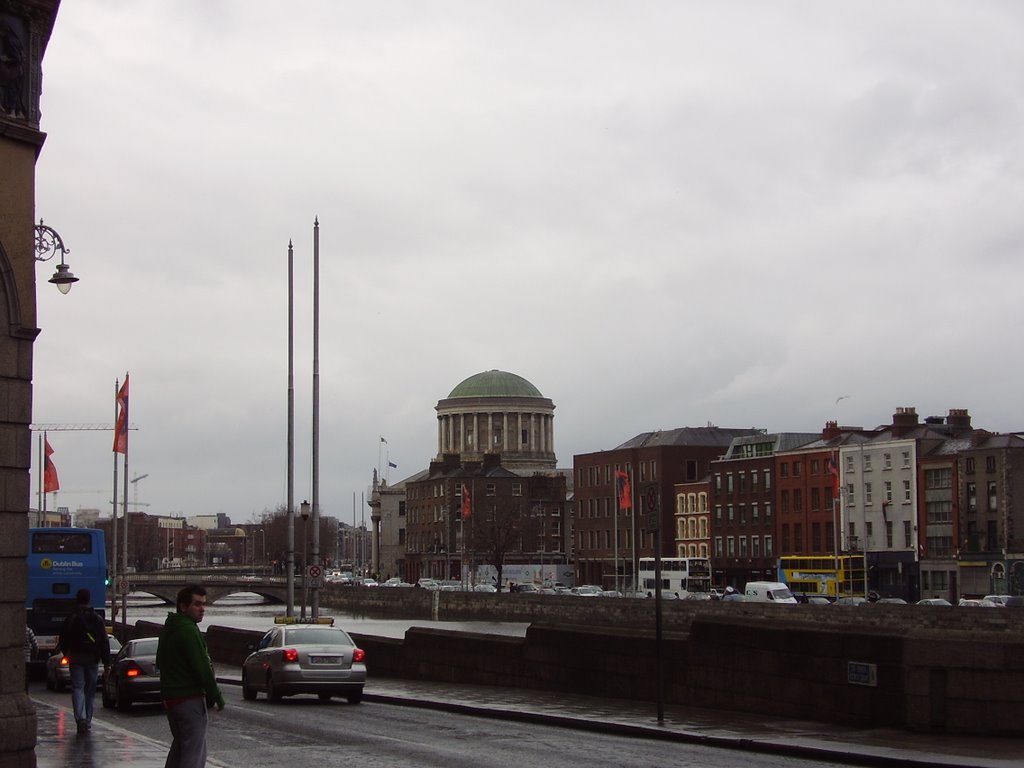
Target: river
<point>246,610</point>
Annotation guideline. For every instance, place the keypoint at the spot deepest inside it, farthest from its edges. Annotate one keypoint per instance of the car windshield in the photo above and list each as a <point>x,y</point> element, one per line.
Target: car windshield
<point>780,594</point>
<point>304,636</point>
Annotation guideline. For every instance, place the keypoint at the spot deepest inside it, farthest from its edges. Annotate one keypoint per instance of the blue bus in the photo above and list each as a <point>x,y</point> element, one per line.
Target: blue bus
<point>60,562</point>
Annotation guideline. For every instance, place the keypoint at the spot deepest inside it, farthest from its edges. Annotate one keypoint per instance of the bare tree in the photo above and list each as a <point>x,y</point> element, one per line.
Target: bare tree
<point>499,527</point>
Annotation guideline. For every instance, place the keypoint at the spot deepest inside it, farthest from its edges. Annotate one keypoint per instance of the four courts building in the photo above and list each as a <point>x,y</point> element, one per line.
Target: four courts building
<point>495,443</point>
<point>502,413</point>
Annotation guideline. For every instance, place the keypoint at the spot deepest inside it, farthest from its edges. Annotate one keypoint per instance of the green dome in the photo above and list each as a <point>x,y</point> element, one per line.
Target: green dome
<point>495,384</point>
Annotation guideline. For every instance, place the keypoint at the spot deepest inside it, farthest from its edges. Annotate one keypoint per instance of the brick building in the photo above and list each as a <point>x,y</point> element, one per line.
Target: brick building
<point>609,540</point>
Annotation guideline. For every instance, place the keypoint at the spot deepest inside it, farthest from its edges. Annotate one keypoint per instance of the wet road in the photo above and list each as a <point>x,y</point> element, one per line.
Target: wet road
<point>304,732</point>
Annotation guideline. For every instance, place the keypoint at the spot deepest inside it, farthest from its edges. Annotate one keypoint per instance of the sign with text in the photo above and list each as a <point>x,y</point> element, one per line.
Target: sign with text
<point>862,673</point>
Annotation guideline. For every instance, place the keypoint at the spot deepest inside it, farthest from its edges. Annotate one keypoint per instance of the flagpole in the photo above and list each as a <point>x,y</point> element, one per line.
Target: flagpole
<point>41,504</point>
<point>316,410</point>
<point>124,500</point>
<point>114,555</point>
<point>616,537</point>
<point>290,511</point>
<point>632,515</point>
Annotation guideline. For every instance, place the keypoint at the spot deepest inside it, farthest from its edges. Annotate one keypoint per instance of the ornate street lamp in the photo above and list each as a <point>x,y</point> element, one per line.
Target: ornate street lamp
<point>48,244</point>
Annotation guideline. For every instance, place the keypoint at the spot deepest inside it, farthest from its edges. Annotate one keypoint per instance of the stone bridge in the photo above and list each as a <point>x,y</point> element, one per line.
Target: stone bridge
<point>218,585</point>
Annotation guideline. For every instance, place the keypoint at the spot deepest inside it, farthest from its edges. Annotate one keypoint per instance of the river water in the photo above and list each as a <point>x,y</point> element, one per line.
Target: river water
<point>245,610</point>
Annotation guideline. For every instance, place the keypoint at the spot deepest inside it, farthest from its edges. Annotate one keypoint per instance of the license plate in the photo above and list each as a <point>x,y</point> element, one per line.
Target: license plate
<point>323,659</point>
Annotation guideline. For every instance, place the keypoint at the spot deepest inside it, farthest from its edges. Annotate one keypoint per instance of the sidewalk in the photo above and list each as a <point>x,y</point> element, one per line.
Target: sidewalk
<point>112,747</point>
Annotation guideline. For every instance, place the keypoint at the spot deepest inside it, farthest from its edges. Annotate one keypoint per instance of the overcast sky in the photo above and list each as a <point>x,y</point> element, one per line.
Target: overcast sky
<point>662,214</point>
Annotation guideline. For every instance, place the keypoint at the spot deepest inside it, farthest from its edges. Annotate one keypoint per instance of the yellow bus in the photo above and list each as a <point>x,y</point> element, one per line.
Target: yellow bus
<point>829,576</point>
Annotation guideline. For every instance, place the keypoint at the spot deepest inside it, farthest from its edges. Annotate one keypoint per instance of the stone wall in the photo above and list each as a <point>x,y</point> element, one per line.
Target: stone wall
<point>774,660</point>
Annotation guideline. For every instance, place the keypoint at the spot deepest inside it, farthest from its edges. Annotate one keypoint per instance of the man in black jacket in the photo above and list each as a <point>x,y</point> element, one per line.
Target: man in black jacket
<point>83,639</point>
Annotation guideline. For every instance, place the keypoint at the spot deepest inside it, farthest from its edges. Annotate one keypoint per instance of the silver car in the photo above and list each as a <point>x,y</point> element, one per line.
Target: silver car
<point>313,659</point>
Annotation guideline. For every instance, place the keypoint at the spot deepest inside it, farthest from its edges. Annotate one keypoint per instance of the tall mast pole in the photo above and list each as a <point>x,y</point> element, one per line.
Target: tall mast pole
<point>316,409</point>
<point>290,511</point>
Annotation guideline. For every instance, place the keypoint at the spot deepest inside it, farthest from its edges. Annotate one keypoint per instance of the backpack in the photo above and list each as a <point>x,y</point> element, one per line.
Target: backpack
<point>80,637</point>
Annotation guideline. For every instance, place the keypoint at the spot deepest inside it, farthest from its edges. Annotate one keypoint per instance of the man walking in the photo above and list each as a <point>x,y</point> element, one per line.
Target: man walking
<point>187,683</point>
<point>83,639</point>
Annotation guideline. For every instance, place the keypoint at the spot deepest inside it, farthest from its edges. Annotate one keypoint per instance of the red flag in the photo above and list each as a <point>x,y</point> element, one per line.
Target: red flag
<point>121,428</point>
<point>50,481</point>
<point>622,490</point>
<point>834,471</point>
<point>467,502</point>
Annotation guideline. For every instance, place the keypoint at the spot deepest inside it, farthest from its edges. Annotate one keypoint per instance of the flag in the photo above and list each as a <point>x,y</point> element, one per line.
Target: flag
<point>833,470</point>
<point>467,502</point>
<point>384,441</point>
<point>50,481</point>
<point>622,490</point>
<point>121,428</point>
<point>392,465</point>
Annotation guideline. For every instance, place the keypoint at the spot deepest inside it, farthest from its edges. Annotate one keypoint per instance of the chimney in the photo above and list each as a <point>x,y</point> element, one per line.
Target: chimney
<point>959,419</point>
<point>904,420</point>
<point>831,430</point>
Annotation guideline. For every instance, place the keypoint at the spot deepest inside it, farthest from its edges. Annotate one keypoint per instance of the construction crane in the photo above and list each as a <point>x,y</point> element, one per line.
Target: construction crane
<point>135,488</point>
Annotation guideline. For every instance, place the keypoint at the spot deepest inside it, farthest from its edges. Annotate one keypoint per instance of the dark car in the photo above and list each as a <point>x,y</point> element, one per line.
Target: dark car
<point>133,675</point>
<point>291,659</point>
<point>58,673</point>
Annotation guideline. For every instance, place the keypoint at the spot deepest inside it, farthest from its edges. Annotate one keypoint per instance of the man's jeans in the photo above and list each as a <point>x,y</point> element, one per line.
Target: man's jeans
<point>83,689</point>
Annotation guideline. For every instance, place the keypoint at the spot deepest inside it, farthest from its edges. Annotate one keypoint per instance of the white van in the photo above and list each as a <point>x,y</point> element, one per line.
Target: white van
<point>768,592</point>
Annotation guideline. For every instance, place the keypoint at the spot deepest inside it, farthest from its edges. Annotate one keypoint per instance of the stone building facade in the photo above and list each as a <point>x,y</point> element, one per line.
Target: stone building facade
<point>25,27</point>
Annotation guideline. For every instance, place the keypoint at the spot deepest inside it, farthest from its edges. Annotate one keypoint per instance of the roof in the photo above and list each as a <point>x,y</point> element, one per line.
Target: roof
<point>688,436</point>
<point>495,383</point>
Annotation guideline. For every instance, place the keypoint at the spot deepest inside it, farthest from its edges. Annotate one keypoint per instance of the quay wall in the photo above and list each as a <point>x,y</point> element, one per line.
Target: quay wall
<point>952,670</point>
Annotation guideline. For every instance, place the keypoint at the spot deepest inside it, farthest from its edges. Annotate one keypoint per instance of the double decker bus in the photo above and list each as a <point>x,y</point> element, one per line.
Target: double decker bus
<point>60,562</point>
<point>827,576</point>
<point>680,575</point>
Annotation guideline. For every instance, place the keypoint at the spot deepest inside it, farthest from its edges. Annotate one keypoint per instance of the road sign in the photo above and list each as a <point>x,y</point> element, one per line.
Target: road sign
<point>314,571</point>
<point>123,586</point>
<point>315,583</point>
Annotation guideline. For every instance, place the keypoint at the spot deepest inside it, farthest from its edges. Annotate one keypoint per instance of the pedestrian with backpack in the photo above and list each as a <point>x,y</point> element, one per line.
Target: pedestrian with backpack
<point>83,639</point>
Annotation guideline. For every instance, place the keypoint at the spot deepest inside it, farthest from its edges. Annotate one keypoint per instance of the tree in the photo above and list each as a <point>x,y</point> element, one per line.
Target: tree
<point>498,528</point>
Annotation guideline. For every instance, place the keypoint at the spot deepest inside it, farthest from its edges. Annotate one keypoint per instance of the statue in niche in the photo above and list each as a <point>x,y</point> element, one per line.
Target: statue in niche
<point>13,69</point>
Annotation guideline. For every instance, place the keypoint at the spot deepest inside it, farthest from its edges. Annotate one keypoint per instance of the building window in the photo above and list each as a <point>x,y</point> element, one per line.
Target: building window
<point>783,469</point>
<point>743,546</point>
<point>972,498</point>
<point>718,481</point>
<point>938,478</point>
<point>939,511</point>
<point>731,514</point>
<point>755,546</point>
<point>731,544</point>
<point>888,534</point>
<point>867,493</point>
<point>867,462</point>
<point>887,461</point>
<point>868,532</point>
<point>814,466</point>
<point>906,459</point>
<point>517,489</point>
<point>718,512</point>
<point>990,464</point>
<point>849,463</point>
<point>718,546</point>
<point>906,490</point>
<point>767,479</point>
<point>969,465</point>
<point>796,468</point>
<point>768,547</point>
<point>798,500</point>
<point>784,501</point>
<point>992,505</point>
<point>729,483</point>
<point>753,513</point>
<point>815,499</point>
<point>906,534</point>
<point>753,479</point>
<point>741,482</point>
<point>849,495</point>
